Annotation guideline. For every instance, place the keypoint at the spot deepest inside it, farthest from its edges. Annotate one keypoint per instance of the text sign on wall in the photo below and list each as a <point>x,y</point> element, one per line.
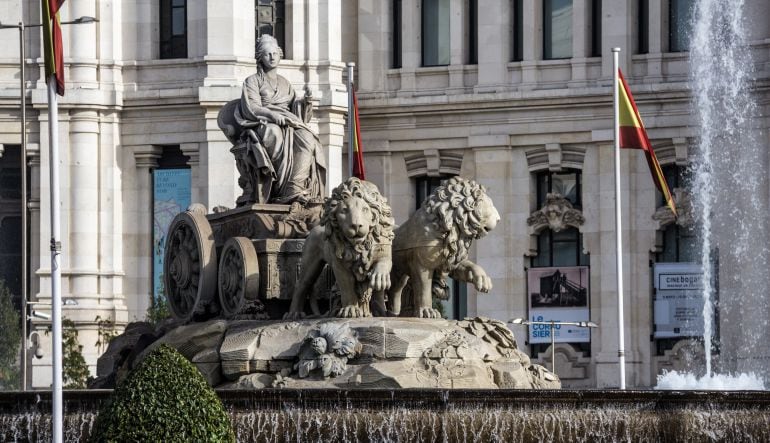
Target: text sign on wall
<point>678,305</point>
<point>171,195</point>
<point>558,294</point>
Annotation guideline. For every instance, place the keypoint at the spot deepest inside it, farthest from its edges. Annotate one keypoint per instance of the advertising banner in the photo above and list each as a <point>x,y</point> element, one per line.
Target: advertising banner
<point>558,294</point>
<point>678,301</point>
<point>171,195</point>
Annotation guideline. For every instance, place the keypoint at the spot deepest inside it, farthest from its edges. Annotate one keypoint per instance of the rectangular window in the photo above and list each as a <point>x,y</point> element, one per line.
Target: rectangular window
<point>644,24</point>
<point>10,221</point>
<point>679,23</point>
<point>396,50</point>
<point>271,20</point>
<point>435,32</point>
<point>473,32</point>
<point>557,29</point>
<point>565,183</point>
<point>517,10</point>
<point>173,29</point>
<point>596,28</point>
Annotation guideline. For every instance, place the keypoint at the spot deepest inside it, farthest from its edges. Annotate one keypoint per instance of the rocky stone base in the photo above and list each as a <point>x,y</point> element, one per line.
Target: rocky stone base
<point>357,353</point>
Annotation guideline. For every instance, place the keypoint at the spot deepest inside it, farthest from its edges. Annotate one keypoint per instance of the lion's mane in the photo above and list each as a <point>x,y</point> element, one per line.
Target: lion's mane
<point>455,212</point>
<point>358,257</point>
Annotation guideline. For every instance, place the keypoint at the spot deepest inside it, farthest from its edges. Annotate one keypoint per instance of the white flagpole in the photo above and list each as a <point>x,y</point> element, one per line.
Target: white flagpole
<point>56,322</point>
<point>618,223</point>
<point>351,119</point>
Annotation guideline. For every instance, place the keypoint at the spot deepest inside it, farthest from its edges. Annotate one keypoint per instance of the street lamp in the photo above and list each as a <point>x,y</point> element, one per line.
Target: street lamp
<point>552,323</point>
<point>23,96</point>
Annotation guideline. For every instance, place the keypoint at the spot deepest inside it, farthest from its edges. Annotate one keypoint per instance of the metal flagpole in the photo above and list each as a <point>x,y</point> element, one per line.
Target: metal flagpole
<point>351,119</point>
<point>24,290</point>
<point>618,224</point>
<point>53,144</point>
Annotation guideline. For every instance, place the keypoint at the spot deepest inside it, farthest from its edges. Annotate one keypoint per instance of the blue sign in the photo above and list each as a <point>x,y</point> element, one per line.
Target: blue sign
<point>171,195</point>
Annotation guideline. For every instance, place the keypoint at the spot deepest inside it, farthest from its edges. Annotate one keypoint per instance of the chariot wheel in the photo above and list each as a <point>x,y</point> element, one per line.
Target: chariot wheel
<point>238,280</point>
<point>190,267</point>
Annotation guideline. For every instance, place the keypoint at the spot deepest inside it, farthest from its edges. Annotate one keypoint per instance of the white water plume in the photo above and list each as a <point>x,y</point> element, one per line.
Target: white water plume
<point>730,199</point>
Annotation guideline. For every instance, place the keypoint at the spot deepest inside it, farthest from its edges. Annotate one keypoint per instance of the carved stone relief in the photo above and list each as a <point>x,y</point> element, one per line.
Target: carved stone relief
<point>557,213</point>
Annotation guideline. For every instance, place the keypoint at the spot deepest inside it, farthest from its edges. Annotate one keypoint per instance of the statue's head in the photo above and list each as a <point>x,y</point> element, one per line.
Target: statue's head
<point>269,53</point>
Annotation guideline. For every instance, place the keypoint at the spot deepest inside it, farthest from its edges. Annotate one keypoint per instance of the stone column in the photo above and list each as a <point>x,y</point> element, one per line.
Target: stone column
<point>218,176</point>
<point>458,44</point>
<point>618,18</point>
<point>191,150</point>
<point>581,41</point>
<point>658,40</point>
<point>81,52</point>
<point>532,12</point>
<point>411,44</point>
<point>494,252</point>
<point>375,44</point>
<point>138,228</point>
<point>84,187</point>
<point>494,51</point>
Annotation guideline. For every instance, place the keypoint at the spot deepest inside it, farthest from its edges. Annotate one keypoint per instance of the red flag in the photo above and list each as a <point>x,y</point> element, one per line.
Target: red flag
<point>634,136</point>
<point>358,152</point>
<point>52,42</point>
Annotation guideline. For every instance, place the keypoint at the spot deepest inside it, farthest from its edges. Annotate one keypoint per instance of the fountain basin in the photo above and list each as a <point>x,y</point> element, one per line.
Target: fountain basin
<point>438,415</point>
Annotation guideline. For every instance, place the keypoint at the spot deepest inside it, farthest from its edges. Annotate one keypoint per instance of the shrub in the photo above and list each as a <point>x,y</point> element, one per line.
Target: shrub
<point>164,399</point>
<point>10,339</point>
<point>75,370</point>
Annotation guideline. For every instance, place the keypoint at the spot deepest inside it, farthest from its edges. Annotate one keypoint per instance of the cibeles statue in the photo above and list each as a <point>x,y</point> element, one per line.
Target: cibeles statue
<point>279,158</point>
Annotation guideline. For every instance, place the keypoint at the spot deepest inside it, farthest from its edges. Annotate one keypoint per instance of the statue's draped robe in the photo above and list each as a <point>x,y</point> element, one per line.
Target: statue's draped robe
<point>289,159</point>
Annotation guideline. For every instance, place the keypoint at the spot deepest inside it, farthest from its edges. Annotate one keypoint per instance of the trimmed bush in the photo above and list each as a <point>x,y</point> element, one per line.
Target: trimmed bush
<point>164,399</point>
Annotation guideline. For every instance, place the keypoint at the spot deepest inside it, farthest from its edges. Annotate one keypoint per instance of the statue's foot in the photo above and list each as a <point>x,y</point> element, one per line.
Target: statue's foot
<point>351,311</point>
<point>299,315</point>
<point>428,313</point>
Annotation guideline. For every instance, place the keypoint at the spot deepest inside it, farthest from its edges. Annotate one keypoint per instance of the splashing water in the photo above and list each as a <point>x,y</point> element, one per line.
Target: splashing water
<point>730,195</point>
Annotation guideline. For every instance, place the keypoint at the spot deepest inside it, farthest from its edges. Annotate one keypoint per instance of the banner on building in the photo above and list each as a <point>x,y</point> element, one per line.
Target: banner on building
<point>558,294</point>
<point>171,195</point>
<point>678,301</point>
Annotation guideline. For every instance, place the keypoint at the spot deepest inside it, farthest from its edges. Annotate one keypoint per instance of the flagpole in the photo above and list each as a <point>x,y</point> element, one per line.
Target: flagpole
<point>351,119</point>
<point>56,323</point>
<point>618,223</point>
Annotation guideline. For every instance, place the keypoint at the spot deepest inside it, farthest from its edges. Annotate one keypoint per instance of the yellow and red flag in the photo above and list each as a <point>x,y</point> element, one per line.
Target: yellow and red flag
<point>358,152</point>
<point>52,42</point>
<point>634,136</point>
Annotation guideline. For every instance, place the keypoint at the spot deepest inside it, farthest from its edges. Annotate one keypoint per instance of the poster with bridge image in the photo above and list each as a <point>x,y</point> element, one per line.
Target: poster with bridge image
<point>171,195</point>
<point>558,294</point>
<point>678,300</point>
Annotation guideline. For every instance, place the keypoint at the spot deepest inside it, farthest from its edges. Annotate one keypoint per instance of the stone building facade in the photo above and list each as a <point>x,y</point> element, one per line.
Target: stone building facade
<point>513,93</point>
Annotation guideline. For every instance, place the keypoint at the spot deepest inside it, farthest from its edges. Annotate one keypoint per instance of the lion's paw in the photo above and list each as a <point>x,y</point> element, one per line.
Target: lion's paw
<point>351,311</point>
<point>294,315</point>
<point>428,313</point>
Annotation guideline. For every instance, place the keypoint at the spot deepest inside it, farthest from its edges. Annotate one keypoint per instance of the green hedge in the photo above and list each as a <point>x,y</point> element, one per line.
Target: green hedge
<point>165,399</point>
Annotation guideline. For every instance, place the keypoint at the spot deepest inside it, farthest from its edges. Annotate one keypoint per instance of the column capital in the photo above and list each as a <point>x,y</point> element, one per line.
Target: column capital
<point>146,156</point>
<point>191,150</point>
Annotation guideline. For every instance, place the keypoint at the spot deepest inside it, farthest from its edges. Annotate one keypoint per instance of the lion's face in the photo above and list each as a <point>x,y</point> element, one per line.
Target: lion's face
<point>489,215</point>
<point>354,218</point>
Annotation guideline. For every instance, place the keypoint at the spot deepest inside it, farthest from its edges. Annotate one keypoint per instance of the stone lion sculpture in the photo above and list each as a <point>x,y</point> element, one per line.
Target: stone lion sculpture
<point>434,244</point>
<point>354,238</point>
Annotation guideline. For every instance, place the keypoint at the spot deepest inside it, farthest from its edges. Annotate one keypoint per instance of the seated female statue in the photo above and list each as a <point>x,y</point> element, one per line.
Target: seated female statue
<point>279,157</point>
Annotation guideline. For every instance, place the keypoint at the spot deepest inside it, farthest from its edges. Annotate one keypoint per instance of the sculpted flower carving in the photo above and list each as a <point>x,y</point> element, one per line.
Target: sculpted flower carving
<point>327,350</point>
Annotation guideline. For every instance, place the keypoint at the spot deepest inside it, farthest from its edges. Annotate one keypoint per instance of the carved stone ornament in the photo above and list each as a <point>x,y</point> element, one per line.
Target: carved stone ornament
<point>684,208</point>
<point>557,214</point>
<point>327,350</point>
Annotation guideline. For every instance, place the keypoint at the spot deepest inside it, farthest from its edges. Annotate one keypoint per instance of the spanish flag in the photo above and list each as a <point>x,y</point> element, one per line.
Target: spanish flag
<point>634,136</point>
<point>52,42</point>
<point>358,152</point>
